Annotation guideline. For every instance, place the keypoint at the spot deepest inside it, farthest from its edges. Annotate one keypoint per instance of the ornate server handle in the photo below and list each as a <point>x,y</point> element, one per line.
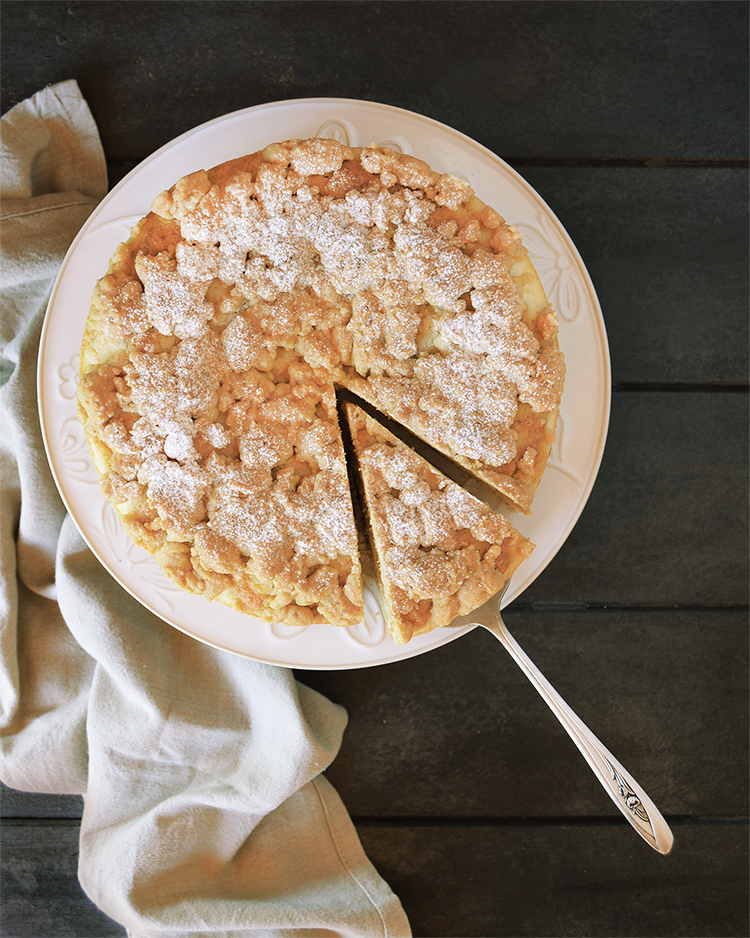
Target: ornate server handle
<point>622,788</point>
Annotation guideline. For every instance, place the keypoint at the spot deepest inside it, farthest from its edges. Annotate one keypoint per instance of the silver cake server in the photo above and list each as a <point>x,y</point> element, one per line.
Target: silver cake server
<point>622,788</point>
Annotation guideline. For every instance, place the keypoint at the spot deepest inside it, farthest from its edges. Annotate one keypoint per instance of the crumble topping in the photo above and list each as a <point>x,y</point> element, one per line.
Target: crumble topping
<point>216,339</point>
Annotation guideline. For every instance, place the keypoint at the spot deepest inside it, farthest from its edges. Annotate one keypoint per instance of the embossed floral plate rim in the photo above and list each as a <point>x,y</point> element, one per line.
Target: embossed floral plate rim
<point>584,415</point>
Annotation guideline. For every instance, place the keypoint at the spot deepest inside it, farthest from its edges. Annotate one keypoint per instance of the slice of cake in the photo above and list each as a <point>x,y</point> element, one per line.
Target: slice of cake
<point>439,552</point>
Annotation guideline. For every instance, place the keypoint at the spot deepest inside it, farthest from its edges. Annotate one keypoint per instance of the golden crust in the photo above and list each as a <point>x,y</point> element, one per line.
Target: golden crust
<point>216,339</point>
<point>439,551</point>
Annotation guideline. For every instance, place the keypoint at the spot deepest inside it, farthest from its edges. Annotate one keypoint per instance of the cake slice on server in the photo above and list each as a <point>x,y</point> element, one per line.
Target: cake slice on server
<point>439,552</point>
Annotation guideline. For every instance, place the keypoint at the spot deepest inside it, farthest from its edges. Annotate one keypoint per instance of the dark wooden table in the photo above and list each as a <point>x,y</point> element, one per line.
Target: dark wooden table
<point>630,119</point>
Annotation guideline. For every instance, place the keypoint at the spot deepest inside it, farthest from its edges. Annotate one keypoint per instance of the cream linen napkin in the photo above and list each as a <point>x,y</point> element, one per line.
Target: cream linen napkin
<point>205,811</point>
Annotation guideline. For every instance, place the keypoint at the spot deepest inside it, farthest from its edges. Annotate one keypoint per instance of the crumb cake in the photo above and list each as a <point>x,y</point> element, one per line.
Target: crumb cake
<point>251,291</point>
<point>439,551</point>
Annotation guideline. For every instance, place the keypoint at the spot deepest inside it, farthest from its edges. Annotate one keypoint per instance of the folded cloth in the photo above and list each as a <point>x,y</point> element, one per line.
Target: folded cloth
<point>205,810</point>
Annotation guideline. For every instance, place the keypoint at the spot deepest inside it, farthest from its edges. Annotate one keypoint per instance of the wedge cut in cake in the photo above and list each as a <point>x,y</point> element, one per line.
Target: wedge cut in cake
<point>462,348</point>
<point>439,552</point>
<point>249,293</point>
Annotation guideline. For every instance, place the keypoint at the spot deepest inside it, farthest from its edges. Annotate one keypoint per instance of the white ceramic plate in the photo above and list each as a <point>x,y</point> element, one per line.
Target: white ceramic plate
<point>584,414</point>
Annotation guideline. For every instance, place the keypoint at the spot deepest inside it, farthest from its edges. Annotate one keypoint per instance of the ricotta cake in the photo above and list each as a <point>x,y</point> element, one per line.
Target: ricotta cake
<point>248,294</point>
<point>439,552</point>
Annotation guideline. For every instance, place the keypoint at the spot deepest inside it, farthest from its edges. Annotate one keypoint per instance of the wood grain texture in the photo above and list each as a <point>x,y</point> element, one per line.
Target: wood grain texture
<point>461,733</point>
<point>539,80</point>
<point>24,804</point>
<point>665,525</point>
<point>667,251</point>
<point>39,881</point>
<point>497,882</point>
<point>494,881</point>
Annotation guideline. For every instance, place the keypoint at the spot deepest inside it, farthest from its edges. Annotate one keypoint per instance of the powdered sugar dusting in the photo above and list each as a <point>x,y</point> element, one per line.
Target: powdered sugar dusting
<point>239,303</point>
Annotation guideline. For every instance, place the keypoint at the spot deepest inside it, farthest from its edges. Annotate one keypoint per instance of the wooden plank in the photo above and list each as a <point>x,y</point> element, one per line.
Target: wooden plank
<point>41,894</point>
<point>487,880</point>
<point>460,732</point>
<point>667,252</point>
<point>666,522</point>
<point>528,80</point>
<point>557,880</point>
<point>24,804</point>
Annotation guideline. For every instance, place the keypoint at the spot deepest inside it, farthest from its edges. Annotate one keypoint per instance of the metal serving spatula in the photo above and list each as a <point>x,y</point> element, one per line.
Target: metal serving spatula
<point>621,787</point>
